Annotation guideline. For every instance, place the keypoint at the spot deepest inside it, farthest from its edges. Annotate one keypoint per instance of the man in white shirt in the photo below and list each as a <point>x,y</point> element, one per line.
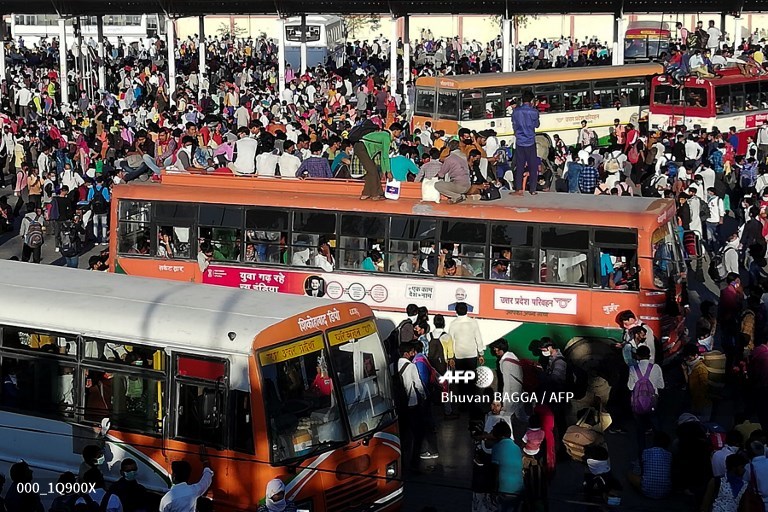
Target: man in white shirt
<point>707,175</point>
<point>693,150</point>
<point>242,116</point>
<point>468,347</point>
<point>714,36</point>
<point>733,442</point>
<point>182,497</point>
<point>716,215</point>
<point>245,153</point>
<point>762,141</point>
<point>289,163</point>
<point>645,367</point>
<point>416,394</point>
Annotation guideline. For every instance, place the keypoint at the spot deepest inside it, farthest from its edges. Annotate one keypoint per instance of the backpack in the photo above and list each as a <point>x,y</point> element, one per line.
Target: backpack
<point>643,394</point>
<point>576,380</point>
<point>34,236</point>
<point>69,240</point>
<point>704,210</point>
<point>530,372</point>
<point>392,343</point>
<point>633,155</point>
<point>717,265</point>
<point>99,204</point>
<point>748,175</point>
<point>90,504</point>
<point>357,133</point>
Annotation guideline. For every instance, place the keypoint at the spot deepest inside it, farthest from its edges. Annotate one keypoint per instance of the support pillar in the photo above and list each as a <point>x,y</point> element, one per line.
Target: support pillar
<point>506,50</point>
<point>460,29</point>
<point>514,39</point>
<point>393,58</point>
<point>406,58</point>
<point>737,27</point>
<point>202,70</point>
<point>2,51</point>
<point>722,23</point>
<point>303,44</point>
<point>572,28</point>
<point>618,39</point>
<point>281,58</point>
<point>102,55</point>
<point>63,61</point>
<point>170,42</point>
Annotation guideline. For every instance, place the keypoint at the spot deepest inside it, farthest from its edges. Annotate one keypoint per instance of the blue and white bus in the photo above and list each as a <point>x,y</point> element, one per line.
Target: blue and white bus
<point>326,34</point>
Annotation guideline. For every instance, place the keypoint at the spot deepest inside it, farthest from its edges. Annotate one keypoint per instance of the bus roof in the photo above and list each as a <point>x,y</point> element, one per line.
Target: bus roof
<point>342,195</point>
<point>158,312</point>
<point>544,76</point>
<point>728,75</point>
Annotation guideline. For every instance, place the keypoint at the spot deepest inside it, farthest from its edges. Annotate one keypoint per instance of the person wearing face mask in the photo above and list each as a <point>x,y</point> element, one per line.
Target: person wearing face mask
<point>93,457</point>
<point>275,498</point>
<point>132,494</point>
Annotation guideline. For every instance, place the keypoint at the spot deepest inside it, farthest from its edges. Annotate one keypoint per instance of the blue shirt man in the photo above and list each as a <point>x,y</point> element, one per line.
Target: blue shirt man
<point>508,456</point>
<point>401,165</point>
<point>525,120</point>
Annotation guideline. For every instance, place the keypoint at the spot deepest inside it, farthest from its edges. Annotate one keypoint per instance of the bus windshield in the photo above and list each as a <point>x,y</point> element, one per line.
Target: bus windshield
<point>360,367</point>
<point>303,386</point>
<point>302,411</point>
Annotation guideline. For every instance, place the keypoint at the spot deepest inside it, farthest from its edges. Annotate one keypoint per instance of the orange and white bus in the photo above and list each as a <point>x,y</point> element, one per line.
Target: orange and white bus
<point>731,100</point>
<point>265,386</point>
<point>565,98</point>
<point>267,235</point>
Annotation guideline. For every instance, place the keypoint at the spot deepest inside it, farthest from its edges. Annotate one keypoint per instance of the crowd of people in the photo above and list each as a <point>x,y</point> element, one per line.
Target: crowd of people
<point>342,121</point>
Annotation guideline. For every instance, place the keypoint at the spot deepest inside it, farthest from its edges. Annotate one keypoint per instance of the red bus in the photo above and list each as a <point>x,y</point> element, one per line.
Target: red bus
<point>733,99</point>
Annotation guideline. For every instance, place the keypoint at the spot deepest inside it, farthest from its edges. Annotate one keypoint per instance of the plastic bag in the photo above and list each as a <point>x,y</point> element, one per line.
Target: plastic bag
<point>392,190</point>
<point>428,190</point>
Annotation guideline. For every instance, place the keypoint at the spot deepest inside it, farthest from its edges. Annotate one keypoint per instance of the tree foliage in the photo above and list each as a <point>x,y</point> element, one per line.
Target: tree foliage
<point>360,22</point>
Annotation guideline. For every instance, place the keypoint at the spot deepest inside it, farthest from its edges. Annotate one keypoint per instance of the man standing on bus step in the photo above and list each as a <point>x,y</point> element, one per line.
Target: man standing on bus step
<point>762,142</point>
<point>525,120</point>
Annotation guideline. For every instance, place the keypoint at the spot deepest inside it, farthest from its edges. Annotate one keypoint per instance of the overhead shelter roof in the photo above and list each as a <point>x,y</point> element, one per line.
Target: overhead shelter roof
<point>397,7</point>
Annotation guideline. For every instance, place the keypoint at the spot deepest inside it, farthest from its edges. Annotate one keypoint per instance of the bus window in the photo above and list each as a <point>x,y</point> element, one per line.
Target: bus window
<point>616,260</point>
<point>264,229</point>
<point>130,399</point>
<point>425,101</point>
<point>36,341</point>
<point>763,94</point>
<point>124,353</point>
<point>752,94</point>
<point>412,238</point>
<point>513,95</point>
<point>630,92</point>
<point>361,370</point>
<point>448,104</point>
<point>666,95</point>
<point>470,239</point>
<point>43,385</point>
<point>221,226</point>
<point>513,243</point>
<point>494,104</point>
<point>133,231</point>
<point>737,97</point>
<point>301,406</point>
<point>472,105</point>
<point>308,229</point>
<point>173,242</point>
<point>359,233</point>
<point>564,253</point>
<point>606,92</point>
<point>549,97</point>
<point>576,100</point>
<point>696,96</point>
<point>200,401</point>
<point>723,99</point>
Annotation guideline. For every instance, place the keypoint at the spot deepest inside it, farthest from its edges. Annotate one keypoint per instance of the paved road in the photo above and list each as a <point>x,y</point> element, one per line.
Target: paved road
<point>445,484</point>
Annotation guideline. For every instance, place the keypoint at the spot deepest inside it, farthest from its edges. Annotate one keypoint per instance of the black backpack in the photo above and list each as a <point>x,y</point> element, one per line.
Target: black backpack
<point>357,133</point>
<point>392,343</point>
<point>99,204</point>
<point>69,240</point>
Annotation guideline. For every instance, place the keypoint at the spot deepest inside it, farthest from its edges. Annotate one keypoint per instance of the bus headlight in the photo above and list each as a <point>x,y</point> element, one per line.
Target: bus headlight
<point>305,506</point>
<point>391,470</point>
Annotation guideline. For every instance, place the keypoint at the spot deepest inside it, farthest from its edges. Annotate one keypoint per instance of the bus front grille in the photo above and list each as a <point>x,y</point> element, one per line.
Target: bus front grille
<point>355,494</point>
